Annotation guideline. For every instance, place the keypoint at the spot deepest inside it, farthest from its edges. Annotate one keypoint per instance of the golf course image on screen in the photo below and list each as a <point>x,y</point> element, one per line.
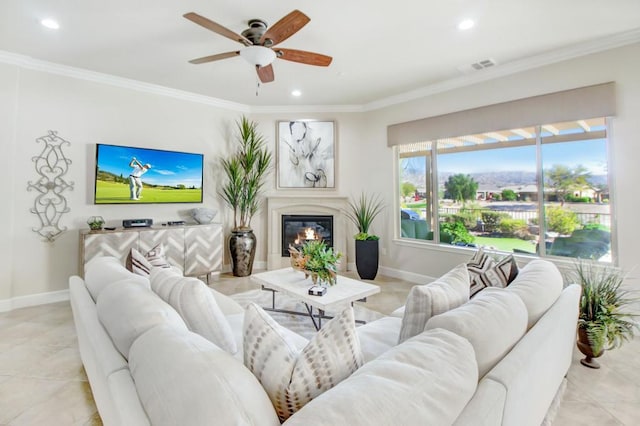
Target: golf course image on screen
<point>130,175</point>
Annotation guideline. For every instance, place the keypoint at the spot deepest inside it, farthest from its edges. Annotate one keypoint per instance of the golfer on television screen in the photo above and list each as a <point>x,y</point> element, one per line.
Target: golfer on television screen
<point>135,183</point>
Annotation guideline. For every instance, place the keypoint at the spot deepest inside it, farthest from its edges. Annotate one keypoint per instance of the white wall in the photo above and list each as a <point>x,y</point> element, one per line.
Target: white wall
<point>621,65</point>
<point>86,113</point>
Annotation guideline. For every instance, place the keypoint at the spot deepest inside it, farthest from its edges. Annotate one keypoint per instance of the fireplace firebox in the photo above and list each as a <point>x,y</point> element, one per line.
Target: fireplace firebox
<point>297,229</point>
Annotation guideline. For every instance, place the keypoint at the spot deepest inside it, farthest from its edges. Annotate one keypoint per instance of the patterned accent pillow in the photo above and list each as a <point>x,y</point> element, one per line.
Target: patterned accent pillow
<point>424,301</point>
<point>138,264</point>
<point>501,274</point>
<point>479,263</point>
<point>156,257</point>
<point>293,375</point>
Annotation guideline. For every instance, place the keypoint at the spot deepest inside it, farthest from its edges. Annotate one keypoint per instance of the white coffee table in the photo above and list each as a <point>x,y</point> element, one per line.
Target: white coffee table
<point>294,284</point>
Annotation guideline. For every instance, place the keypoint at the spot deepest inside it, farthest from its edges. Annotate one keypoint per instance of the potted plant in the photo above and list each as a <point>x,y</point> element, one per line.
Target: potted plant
<point>362,212</point>
<point>317,260</point>
<point>95,223</point>
<point>604,320</point>
<point>245,171</point>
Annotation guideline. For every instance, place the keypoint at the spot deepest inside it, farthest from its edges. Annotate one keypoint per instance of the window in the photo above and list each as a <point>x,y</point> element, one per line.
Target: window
<point>541,190</point>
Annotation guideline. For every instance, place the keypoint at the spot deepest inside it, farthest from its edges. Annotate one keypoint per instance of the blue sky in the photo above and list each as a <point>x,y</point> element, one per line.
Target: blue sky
<point>591,154</point>
<point>167,167</point>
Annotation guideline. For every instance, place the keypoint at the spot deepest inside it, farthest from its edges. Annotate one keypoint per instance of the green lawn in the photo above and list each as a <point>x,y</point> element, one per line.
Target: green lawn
<point>114,193</point>
<point>506,244</point>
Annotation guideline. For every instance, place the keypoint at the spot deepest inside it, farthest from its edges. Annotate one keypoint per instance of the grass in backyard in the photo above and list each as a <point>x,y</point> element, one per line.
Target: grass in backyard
<point>506,244</point>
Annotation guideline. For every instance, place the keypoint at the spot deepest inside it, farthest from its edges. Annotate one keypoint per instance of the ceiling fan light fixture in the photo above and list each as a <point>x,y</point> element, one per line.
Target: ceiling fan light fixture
<point>258,55</point>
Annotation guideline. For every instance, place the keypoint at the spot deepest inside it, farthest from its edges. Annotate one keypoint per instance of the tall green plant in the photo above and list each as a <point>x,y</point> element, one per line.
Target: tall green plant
<point>362,212</point>
<point>602,306</point>
<point>245,171</point>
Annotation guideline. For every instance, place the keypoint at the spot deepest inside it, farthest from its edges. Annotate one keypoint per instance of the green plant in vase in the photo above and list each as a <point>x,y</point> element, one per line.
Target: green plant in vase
<point>320,261</point>
<point>605,321</point>
<point>362,212</point>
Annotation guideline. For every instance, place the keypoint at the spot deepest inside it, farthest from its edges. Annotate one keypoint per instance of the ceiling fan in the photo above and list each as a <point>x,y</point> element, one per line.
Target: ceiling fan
<point>259,42</point>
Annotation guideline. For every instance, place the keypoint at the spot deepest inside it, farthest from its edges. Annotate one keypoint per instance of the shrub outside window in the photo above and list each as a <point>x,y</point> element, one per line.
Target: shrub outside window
<point>540,191</point>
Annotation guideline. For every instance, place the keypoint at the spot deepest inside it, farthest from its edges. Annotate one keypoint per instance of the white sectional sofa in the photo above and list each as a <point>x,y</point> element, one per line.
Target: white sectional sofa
<point>499,359</point>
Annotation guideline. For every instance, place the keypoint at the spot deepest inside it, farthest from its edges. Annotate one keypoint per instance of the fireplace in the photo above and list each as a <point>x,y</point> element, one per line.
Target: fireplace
<point>298,228</point>
<point>311,206</point>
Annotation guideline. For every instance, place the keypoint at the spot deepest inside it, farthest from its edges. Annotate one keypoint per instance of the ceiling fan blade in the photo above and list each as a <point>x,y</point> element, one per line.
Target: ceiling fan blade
<point>212,58</point>
<point>217,28</point>
<point>309,58</point>
<point>285,28</point>
<point>265,73</point>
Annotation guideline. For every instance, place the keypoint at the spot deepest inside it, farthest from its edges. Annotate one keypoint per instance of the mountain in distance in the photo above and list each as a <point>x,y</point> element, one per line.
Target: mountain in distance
<point>494,179</point>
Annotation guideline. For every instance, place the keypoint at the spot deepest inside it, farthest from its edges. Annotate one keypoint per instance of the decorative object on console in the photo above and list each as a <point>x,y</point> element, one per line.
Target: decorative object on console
<point>306,154</point>
<point>605,319</point>
<point>50,204</point>
<point>362,212</point>
<point>316,260</point>
<point>245,171</point>
<point>95,223</point>
<point>203,215</point>
<point>137,223</point>
<point>131,175</point>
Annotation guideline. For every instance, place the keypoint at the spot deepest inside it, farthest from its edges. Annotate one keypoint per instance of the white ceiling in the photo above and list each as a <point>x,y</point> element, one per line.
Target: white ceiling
<point>380,48</point>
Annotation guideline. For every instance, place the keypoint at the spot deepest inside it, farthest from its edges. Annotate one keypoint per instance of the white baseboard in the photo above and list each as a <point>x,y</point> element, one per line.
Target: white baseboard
<point>33,300</point>
<point>397,273</point>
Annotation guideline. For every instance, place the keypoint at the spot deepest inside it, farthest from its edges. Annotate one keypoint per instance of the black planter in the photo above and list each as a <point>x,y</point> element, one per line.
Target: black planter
<point>367,258</point>
<point>242,247</point>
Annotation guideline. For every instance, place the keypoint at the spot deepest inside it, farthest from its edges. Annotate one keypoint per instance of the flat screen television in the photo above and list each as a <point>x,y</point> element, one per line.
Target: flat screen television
<point>130,175</point>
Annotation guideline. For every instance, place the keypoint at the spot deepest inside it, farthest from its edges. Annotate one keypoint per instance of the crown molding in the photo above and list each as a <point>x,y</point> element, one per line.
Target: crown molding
<point>548,58</point>
<point>30,63</point>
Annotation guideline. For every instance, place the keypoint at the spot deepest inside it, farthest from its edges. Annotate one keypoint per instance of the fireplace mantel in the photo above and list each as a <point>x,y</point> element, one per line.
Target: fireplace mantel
<point>305,205</point>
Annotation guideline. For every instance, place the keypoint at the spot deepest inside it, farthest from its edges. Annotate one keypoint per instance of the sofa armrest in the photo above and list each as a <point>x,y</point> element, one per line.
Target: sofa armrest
<point>534,369</point>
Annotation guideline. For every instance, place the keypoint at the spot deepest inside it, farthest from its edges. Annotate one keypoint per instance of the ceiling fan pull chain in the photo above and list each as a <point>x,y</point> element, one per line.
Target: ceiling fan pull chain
<point>257,86</point>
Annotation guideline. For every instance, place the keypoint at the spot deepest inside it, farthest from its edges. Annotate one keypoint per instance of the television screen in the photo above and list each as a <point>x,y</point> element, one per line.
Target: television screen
<point>129,175</point>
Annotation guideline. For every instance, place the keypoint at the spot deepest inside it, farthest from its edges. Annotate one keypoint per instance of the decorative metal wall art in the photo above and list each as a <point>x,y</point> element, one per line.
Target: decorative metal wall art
<point>50,204</point>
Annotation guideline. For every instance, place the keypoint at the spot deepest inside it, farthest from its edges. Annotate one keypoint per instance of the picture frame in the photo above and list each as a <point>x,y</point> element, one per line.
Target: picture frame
<point>306,154</point>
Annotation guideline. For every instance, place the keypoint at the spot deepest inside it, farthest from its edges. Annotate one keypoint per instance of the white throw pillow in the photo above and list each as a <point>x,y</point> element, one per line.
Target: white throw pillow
<point>493,322</point>
<point>293,375</point>
<point>196,305</point>
<point>424,301</point>
<point>156,257</point>
<point>183,379</point>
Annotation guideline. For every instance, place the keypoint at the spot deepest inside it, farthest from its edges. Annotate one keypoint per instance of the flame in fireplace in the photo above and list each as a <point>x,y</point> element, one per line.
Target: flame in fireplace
<point>309,234</point>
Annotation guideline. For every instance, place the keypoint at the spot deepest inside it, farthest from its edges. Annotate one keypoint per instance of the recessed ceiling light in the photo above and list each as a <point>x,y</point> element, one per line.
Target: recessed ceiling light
<point>296,93</point>
<point>466,24</point>
<point>50,23</point>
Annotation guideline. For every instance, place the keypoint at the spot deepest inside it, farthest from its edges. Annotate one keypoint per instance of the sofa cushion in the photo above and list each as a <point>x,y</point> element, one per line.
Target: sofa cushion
<point>292,376</point>
<point>127,311</point>
<point>500,274</point>
<point>424,301</point>
<point>427,379</point>
<point>493,322</point>
<point>156,257</point>
<point>183,379</point>
<point>102,271</point>
<point>197,306</point>
<point>539,285</point>
<point>377,337</point>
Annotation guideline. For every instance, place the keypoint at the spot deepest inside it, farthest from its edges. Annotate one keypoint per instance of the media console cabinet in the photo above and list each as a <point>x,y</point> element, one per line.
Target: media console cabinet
<point>196,249</point>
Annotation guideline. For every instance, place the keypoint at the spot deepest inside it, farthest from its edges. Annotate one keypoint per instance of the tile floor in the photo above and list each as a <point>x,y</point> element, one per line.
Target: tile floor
<point>42,381</point>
